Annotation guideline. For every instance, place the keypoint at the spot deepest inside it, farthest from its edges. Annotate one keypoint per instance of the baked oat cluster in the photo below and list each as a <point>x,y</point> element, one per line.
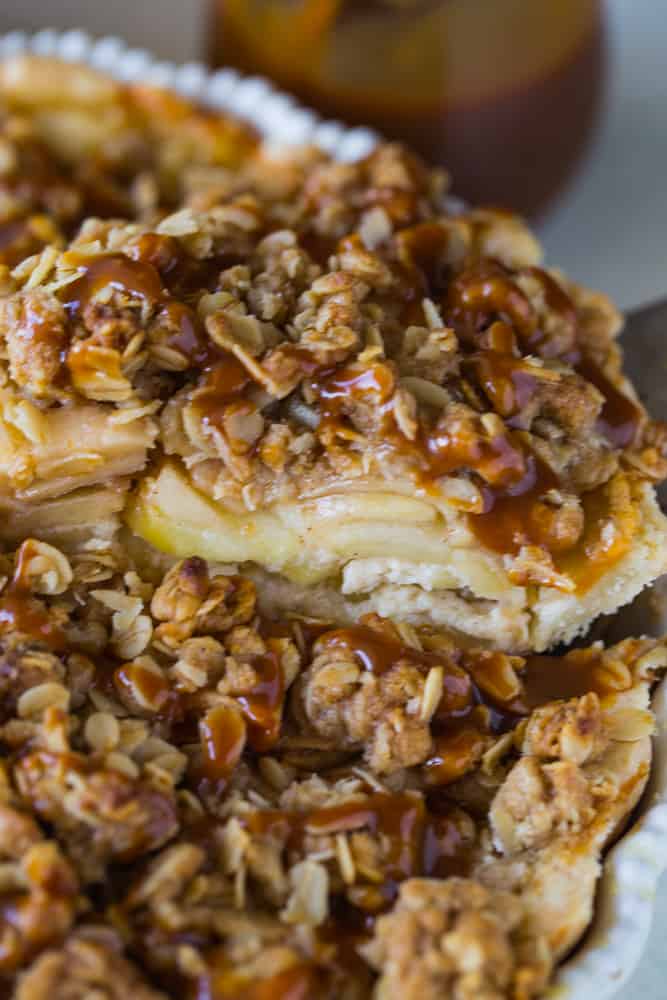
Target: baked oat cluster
<point>199,801</point>
<point>303,466</point>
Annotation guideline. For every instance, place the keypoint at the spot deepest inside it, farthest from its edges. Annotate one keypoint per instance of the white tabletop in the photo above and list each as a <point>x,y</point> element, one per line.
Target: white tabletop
<point>609,229</point>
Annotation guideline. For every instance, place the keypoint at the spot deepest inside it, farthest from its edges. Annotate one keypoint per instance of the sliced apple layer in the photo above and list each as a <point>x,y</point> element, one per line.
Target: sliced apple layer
<point>45,454</point>
<point>352,553</point>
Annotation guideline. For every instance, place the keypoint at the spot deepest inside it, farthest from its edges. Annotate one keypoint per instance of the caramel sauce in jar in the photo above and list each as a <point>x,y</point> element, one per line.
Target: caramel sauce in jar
<point>504,94</point>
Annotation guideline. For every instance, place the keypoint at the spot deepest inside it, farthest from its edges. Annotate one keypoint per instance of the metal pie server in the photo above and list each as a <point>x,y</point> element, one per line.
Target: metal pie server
<point>644,343</point>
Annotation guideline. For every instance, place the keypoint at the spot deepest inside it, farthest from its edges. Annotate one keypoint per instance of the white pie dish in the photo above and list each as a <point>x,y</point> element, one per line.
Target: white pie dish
<point>625,903</point>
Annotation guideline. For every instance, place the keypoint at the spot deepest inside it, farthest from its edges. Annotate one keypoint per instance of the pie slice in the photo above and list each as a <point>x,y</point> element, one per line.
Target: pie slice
<point>198,800</point>
<point>374,400</point>
<point>434,428</point>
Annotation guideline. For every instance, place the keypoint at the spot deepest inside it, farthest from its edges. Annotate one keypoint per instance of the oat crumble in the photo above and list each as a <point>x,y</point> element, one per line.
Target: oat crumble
<point>198,800</point>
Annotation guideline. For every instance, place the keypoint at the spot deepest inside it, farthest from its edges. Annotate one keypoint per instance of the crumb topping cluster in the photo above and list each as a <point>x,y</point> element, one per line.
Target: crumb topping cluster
<point>228,802</point>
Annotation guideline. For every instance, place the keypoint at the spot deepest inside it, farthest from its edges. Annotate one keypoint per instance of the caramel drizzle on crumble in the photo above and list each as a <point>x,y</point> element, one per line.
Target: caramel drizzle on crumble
<point>212,767</point>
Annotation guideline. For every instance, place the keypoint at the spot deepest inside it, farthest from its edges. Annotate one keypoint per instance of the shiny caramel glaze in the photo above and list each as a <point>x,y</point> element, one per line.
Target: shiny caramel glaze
<point>23,613</point>
<point>222,387</point>
<point>155,272</point>
<point>475,704</point>
<point>427,349</point>
<point>419,842</point>
<point>620,416</point>
<point>549,678</point>
<point>222,734</point>
<point>113,271</point>
<point>515,516</point>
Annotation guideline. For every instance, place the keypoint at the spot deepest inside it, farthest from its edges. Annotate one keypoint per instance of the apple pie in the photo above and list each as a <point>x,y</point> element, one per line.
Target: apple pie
<point>370,397</point>
<point>199,801</point>
<point>303,466</point>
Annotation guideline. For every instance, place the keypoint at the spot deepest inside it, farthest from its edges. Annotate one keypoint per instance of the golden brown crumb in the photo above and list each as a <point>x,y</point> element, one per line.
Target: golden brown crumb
<point>89,962</point>
<point>456,940</point>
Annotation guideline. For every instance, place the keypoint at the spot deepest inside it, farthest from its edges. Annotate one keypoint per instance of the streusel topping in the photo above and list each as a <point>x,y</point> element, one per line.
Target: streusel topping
<point>224,801</point>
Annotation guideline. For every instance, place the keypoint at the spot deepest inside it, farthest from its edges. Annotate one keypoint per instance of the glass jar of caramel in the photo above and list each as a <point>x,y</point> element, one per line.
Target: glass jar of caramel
<point>502,92</point>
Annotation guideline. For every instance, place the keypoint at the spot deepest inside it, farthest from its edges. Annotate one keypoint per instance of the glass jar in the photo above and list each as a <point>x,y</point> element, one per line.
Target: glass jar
<point>502,92</point>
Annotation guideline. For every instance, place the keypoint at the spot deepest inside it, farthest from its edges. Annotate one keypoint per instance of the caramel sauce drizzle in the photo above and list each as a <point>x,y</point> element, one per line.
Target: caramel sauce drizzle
<point>454,747</point>
<point>301,981</point>
<point>511,517</point>
<point>551,678</point>
<point>21,612</point>
<point>489,312</point>
<point>466,713</point>
<point>419,838</point>
<point>506,381</point>
<point>112,270</point>
<point>222,734</point>
<point>480,300</point>
<point>479,294</point>
<point>419,844</point>
<point>620,418</point>
<point>152,685</point>
<point>140,278</point>
<point>156,269</point>
<point>420,249</point>
<point>262,706</point>
<point>222,387</point>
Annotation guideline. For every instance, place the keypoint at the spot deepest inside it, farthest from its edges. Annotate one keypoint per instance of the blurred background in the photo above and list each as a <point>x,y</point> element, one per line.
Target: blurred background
<point>590,132</point>
<point>597,178</point>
